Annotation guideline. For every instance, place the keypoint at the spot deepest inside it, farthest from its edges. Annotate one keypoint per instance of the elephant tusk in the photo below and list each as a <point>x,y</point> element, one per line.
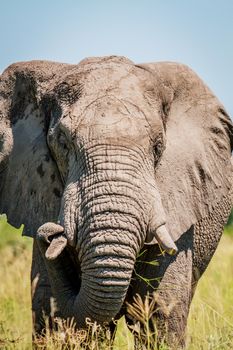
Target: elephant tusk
<point>53,235</point>
<point>165,240</point>
<point>157,231</point>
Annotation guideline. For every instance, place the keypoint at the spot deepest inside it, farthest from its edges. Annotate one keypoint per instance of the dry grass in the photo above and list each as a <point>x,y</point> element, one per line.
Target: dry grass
<point>210,324</point>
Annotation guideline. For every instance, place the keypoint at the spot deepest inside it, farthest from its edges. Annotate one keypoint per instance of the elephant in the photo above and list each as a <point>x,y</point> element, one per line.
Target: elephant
<point>111,166</point>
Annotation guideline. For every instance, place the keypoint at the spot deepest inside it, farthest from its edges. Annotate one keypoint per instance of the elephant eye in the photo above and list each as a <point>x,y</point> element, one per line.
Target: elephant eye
<point>63,142</point>
<point>158,150</point>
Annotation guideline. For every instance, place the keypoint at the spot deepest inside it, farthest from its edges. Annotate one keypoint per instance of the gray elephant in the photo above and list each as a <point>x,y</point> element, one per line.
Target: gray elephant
<point>107,161</point>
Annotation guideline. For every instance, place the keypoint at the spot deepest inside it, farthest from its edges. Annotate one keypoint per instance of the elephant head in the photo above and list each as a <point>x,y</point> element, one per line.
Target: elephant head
<point>103,157</point>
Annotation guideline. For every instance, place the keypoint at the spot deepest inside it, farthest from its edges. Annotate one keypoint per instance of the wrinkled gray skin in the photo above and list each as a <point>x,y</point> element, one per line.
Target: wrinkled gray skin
<point>102,160</point>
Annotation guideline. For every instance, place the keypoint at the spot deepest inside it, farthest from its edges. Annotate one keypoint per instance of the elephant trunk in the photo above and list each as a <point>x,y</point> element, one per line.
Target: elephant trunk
<point>106,270</point>
<point>106,275</point>
<point>109,215</point>
<point>109,235</point>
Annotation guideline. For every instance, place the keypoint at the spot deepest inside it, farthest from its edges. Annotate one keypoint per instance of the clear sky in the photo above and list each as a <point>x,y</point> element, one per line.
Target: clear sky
<point>195,32</point>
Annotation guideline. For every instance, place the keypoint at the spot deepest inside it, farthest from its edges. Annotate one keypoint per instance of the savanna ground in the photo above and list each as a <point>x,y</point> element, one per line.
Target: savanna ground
<point>210,325</point>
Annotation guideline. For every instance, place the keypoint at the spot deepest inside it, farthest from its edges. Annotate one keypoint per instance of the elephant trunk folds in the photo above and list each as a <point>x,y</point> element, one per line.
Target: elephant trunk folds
<point>105,276</point>
<point>108,239</point>
<point>114,203</point>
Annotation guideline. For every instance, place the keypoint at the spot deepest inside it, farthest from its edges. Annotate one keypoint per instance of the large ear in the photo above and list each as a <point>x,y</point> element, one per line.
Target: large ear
<point>195,171</point>
<point>30,187</point>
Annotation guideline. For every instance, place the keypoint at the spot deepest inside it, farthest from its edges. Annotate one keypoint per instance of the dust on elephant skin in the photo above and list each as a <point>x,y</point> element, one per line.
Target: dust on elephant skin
<point>107,164</point>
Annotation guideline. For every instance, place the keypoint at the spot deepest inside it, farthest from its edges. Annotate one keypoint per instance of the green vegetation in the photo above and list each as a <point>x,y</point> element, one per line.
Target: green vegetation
<point>230,220</point>
<point>15,314</point>
<point>210,324</point>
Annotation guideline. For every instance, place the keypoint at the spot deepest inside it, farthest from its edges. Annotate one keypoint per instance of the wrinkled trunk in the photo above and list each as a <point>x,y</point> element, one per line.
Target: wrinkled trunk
<point>103,287</point>
<point>106,268</point>
<point>111,207</point>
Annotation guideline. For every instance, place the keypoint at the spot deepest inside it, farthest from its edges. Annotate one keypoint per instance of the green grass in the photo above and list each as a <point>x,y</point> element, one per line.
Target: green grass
<point>210,325</point>
<point>15,314</point>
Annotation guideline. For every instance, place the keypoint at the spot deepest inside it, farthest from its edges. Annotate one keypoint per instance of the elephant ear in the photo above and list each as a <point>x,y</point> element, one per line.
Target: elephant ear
<point>195,171</point>
<point>30,187</point>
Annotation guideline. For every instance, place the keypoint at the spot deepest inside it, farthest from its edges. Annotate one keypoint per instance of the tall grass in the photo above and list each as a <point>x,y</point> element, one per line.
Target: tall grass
<point>210,325</point>
<point>15,314</point>
<point>211,316</point>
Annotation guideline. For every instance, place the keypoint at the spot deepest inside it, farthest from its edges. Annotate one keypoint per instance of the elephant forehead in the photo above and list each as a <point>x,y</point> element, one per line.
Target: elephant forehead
<point>82,86</point>
<point>109,116</point>
<point>121,80</point>
<point>103,79</point>
<point>113,101</point>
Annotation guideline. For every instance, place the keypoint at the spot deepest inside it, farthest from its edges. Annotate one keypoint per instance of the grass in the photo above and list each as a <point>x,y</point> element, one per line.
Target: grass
<point>15,315</point>
<point>210,325</point>
<point>211,317</point>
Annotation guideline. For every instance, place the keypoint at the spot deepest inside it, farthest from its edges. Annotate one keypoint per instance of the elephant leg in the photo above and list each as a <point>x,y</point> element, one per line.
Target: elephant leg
<point>43,304</point>
<point>173,297</point>
<point>167,283</point>
<point>208,232</point>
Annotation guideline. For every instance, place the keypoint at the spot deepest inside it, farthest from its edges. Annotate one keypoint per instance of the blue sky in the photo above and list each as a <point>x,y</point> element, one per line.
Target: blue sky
<point>198,33</point>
